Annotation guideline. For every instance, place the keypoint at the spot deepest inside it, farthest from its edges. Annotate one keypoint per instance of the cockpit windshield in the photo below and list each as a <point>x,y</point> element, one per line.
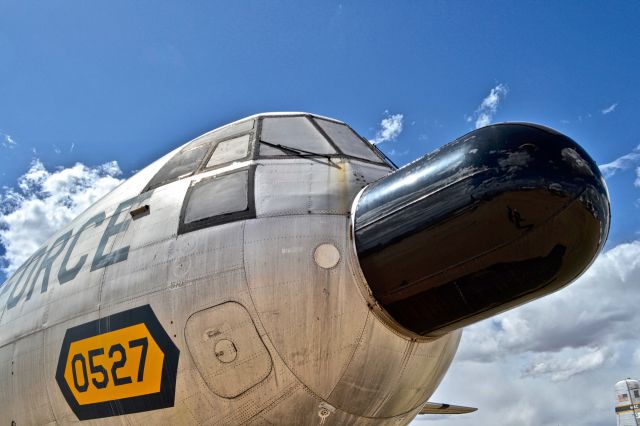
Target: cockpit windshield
<point>313,135</point>
<point>347,140</point>
<point>298,133</point>
<point>269,136</point>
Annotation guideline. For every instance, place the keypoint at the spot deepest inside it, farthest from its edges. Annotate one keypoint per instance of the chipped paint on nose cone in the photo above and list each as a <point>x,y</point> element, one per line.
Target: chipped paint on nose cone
<point>501,216</point>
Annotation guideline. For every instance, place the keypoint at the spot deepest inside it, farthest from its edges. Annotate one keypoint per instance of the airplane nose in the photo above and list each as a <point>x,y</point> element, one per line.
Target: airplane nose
<point>501,216</point>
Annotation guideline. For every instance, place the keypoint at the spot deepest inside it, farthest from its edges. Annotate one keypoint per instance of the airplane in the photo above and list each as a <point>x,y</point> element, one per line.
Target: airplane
<point>282,270</point>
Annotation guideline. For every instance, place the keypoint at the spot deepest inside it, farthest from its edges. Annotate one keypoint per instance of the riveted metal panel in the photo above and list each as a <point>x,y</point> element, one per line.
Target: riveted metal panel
<point>175,262</point>
<point>240,360</point>
<point>50,307</point>
<point>308,313</point>
<point>7,393</point>
<point>161,223</point>
<point>304,186</point>
<point>421,374</point>
<point>53,337</point>
<point>28,365</point>
<point>303,408</point>
<point>373,370</point>
<point>314,316</point>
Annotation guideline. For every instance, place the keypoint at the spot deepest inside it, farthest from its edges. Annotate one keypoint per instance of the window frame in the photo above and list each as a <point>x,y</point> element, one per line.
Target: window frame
<point>253,151</point>
<point>209,146</point>
<point>249,213</point>
<point>308,117</point>
<point>383,159</point>
<point>214,144</point>
<point>209,137</point>
<point>150,187</point>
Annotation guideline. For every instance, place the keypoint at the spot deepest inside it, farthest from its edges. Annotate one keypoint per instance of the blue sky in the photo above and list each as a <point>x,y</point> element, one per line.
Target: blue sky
<point>125,82</point>
<point>97,82</point>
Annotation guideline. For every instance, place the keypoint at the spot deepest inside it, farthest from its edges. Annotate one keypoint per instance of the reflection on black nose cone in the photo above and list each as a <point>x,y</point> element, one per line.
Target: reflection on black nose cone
<point>501,216</point>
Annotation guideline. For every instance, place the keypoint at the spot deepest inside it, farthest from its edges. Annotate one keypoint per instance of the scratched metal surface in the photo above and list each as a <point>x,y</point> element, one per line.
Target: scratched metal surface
<point>318,353</point>
<point>304,341</point>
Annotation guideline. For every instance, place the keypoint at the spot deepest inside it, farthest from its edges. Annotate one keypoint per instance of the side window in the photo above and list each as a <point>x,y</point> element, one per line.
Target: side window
<point>347,141</point>
<point>182,164</point>
<point>213,144</point>
<point>219,199</point>
<point>297,133</point>
<point>229,150</point>
<point>222,133</point>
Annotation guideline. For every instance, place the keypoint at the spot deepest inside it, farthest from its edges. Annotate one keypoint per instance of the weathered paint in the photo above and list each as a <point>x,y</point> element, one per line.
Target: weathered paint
<point>321,341</point>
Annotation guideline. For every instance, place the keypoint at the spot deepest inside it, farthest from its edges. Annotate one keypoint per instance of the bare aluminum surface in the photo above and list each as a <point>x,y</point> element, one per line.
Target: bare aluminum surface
<point>333,360</point>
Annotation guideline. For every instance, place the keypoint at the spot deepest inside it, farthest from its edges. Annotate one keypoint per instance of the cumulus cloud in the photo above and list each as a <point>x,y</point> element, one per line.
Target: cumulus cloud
<point>561,366</point>
<point>586,314</point>
<point>625,162</point>
<point>483,115</point>
<point>389,129</point>
<point>7,140</point>
<point>610,109</point>
<point>525,364</point>
<point>44,201</point>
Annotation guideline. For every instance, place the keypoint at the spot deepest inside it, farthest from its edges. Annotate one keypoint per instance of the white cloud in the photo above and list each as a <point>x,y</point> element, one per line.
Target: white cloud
<point>622,163</point>
<point>591,306</point>
<point>489,106</point>
<point>637,181</point>
<point>610,108</point>
<point>553,361</point>
<point>7,140</point>
<point>44,201</point>
<point>389,129</point>
<point>395,153</point>
<point>561,366</point>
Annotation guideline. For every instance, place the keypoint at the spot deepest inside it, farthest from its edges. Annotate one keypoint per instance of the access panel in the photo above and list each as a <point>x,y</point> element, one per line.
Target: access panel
<point>227,349</point>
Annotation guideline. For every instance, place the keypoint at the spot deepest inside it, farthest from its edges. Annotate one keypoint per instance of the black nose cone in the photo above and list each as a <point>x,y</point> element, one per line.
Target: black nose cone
<point>501,216</point>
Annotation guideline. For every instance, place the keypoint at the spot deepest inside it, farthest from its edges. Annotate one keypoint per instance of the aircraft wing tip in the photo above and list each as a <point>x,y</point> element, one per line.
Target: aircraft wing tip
<point>439,408</point>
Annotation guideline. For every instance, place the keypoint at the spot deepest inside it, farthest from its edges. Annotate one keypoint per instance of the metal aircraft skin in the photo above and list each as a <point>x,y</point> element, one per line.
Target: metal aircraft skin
<point>279,270</point>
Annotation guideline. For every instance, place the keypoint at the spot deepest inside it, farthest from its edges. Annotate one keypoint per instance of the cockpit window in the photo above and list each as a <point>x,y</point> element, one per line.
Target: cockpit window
<point>346,140</point>
<point>229,150</point>
<point>307,136</point>
<point>220,199</point>
<point>298,133</point>
<point>215,148</point>
<point>182,164</point>
<point>222,133</point>
<point>276,136</point>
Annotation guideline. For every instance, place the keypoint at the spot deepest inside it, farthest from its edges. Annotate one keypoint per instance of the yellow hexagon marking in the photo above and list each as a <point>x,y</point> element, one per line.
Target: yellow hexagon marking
<point>119,364</point>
